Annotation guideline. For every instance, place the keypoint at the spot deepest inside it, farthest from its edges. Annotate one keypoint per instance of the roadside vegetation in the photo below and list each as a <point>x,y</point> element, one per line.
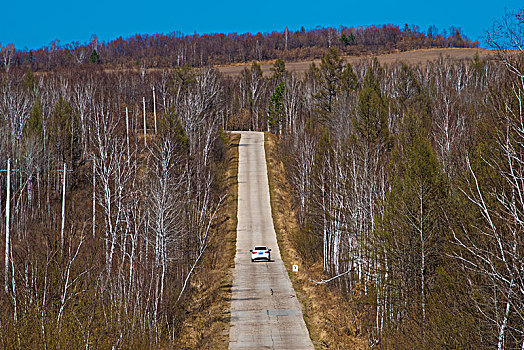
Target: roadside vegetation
<point>207,322</point>
<point>329,318</point>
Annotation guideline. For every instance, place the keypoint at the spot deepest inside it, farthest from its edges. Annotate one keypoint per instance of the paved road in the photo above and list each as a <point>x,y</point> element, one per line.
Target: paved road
<point>265,313</point>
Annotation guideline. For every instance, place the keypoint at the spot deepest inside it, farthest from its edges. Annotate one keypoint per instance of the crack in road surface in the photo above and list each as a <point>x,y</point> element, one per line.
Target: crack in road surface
<point>265,312</point>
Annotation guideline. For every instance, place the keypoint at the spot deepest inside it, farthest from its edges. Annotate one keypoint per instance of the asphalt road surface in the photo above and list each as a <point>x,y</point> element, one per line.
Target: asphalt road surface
<point>265,313</point>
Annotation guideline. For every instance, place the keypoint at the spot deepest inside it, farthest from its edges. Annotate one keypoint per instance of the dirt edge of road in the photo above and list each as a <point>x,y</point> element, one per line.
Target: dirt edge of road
<point>330,325</point>
<point>207,326</point>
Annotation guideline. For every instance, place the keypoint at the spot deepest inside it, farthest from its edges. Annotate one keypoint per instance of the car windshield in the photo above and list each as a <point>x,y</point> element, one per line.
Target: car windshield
<point>260,248</point>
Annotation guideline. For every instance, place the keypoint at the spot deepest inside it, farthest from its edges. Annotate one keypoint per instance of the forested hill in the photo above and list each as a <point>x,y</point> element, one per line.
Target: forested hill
<point>404,185</point>
<point>177,49</point>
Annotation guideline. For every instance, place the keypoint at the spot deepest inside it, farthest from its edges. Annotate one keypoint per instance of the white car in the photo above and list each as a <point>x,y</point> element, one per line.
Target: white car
<point>260,253</point>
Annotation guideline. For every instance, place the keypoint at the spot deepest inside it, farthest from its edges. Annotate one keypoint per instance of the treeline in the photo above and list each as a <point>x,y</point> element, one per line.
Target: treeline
<point>109,263</point>
<point>175,49</point>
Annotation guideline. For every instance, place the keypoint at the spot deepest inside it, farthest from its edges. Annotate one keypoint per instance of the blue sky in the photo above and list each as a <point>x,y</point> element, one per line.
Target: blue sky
<point>33,24</point>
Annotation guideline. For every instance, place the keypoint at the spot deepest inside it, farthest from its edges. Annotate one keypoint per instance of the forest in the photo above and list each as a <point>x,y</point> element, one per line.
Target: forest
<point>112,206</point>
<point>407,183</point>
<point>176,49</point>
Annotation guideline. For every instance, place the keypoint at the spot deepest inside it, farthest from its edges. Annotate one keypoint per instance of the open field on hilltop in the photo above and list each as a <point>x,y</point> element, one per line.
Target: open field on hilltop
<point>412,57</point>
<point>421,56</point>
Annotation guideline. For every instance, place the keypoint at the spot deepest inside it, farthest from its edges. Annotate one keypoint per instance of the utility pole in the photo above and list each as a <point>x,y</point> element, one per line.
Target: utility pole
<point>65,170</point>
<point>7,224</point>
<point>145,125</point>
<point>127,134</point>
<point>94,198</point>
<point>286,34</point>
<point>154,107</point>
<point>7,217</point>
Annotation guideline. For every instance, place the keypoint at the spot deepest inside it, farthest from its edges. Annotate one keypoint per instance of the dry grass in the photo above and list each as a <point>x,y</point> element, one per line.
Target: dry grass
<point>207,326</point>
<point>411,57</point>
<point>331,322</point>
<point>427,55</point>
<point>421,56</point>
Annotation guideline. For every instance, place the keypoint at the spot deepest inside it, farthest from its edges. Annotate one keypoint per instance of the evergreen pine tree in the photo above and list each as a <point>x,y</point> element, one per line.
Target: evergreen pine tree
<point>370,121</point>
<point>331,71</point>
<point>65,133</point>
<point>349,80</point>
<point>279,70</point>
<point>171,128</point>
<point>275,112</point>
<point>34,125</point>
<point>94,58</point>
<point>412,229</point>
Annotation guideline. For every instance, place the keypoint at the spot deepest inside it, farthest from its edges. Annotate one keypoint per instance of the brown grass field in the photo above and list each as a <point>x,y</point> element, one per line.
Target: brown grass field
<point>411,57</point>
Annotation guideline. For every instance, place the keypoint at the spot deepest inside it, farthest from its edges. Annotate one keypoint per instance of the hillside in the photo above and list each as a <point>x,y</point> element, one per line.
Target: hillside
<point>420,56</point>
<point>176,50</point>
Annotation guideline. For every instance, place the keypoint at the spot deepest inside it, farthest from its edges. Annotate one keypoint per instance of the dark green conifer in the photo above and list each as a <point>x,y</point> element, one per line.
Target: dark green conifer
<point>275,112</point>
<point>370,121</point>
<point>94,58</point>
<point>65,133</point>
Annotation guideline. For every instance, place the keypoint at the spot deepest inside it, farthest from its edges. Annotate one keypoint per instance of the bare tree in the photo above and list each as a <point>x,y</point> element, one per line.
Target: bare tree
<point>507,35</point>
<point>7,55</point>
<point>16,105</point>
<point>165,194</point>
<point>252,88</point>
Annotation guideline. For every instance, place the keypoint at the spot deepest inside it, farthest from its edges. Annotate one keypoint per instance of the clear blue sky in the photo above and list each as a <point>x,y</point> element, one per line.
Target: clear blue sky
<point>33,24</point>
